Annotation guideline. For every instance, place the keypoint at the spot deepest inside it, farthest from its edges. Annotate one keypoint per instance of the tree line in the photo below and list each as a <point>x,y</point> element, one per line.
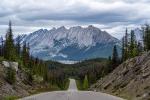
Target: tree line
<point>34,68</point>
<point>131,47</point>
<point>12,50</point>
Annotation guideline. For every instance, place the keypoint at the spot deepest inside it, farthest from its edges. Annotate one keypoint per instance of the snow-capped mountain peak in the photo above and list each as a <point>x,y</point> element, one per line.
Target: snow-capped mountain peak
<point>66,43</point>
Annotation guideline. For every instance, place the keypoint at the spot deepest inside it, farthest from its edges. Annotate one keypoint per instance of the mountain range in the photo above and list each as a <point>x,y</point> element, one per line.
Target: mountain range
<point>76,43</point>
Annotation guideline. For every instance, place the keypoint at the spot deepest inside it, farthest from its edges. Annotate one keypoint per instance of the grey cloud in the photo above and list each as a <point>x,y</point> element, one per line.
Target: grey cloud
<point>29,16</point>
<point>87,17</point>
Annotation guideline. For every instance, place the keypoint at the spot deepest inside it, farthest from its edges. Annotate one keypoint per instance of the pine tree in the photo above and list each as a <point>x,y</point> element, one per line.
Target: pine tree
<point>115,58</point>
<point>9,48</point>
<point>85,82</point>
<point>28,55</point>
<point>25,55</point>
<point>45,74</point>
<point>126,45</point>
<point>11,75</point>
<point>123,49</point>
<point>18,47</point>
<point>108,69</point>
<point>133,45</point>
<point>2,47</point>
<point>147,37</point>
<point>109,60</point>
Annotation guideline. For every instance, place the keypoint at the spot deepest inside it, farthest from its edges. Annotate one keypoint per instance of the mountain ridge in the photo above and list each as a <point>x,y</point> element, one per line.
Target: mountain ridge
<point>75,43</point>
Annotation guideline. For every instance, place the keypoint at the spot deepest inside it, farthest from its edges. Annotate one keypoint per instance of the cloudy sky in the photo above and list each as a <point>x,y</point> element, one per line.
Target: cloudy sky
<point>110,15</point>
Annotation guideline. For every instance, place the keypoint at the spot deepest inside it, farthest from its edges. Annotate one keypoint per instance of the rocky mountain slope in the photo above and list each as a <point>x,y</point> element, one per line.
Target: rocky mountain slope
<point>75,43</point>
<point>21,87</point>
<point>6,89</point>
<point>130,80</point>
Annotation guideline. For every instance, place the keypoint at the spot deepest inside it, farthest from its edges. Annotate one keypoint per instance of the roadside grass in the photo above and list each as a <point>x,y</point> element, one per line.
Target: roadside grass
<point>67,84</point>
<point>10,98</point>
<point>79,85</point>
<point>48,88</point>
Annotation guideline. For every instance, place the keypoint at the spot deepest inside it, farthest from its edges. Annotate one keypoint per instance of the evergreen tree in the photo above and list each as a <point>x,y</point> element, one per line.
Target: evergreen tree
<point>133,45</point>
<point>126,45</point>
<point>11,75</point>
<point>45,76</point>
<point>85,82</point>
<point>18,47</point>
<point>2,47</point>
<point>123,49</point>
<point>28,55</point>
<point>147,37</point>
<point>25,55</point>
<point>115,58</point>
<point>109,65</point>
<point>9,48</point>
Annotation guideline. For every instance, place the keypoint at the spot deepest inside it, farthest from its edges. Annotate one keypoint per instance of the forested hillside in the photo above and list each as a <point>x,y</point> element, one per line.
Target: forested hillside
<point>30,75</point>
<point>130,79</point>
<point>92,70</point>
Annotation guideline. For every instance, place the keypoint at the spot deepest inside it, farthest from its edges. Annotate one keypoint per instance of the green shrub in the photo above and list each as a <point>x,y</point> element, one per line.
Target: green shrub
<point>10,98</point>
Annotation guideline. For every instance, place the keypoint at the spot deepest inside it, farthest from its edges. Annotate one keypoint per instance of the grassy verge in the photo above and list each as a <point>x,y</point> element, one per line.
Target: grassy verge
<point>45,89</point>
<point>49,88</point>
<point>10,98</point>
<point>79,85</point>
<point>67,84</point>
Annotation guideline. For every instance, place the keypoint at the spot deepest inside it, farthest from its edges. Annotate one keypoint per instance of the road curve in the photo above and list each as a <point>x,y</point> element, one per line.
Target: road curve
<point>72,94</point>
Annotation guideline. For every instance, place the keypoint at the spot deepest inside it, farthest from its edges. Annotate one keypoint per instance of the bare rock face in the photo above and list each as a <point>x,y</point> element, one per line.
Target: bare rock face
<point>19,89</point>
<point>14,65</point>
<point>22,86</point>
<point>130,80</point>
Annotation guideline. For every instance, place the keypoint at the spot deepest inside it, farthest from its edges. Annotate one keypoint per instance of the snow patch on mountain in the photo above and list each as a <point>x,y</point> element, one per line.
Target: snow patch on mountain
<point>54,43</point>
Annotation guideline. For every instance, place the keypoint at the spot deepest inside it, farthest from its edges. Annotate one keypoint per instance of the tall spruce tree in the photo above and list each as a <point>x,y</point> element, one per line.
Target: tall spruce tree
<point>115,58</point>
<point>9,47</point>
<point>11,75</point>
<point>133,45</point>
<point>126,45</point>
<point>18,47</point>
<point>28,55</point>
<point>123,49</point>
<point>147,37</point>
<point>2,47</point>
<point>108,69</point>
<point>24,54</point>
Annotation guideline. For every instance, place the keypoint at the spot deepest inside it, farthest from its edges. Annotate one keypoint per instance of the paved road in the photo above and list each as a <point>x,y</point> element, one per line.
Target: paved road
<point>72,94</point>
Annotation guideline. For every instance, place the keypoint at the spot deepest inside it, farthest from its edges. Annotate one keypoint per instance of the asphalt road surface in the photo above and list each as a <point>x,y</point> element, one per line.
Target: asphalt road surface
<point>72,94</point>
